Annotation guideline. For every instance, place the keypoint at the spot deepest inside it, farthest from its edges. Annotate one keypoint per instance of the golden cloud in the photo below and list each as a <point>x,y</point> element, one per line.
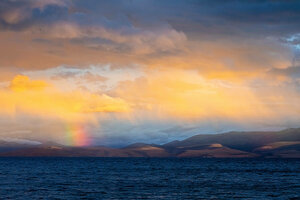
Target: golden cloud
<point>183,94</point>
<point>40,98</point>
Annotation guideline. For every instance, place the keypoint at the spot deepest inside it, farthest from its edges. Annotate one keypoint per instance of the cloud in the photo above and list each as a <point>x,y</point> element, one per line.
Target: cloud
<point>21,141</point>
<point>89,77</point>
<point>289,72</point>
<point>7,73</point>
<point>71,44</point>
<point>64,75</point>
<point>222,40</point>
<point>37,97</point>
<point>22,83</point>
<point>182,94</point>
<point>21,14</point>
<point>56,30</point>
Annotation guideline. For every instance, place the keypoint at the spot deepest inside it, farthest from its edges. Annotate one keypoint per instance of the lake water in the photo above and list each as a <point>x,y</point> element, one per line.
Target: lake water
<point>149,178</point>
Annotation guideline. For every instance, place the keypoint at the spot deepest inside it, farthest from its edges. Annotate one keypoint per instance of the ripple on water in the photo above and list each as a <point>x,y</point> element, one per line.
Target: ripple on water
<point>144,178</point>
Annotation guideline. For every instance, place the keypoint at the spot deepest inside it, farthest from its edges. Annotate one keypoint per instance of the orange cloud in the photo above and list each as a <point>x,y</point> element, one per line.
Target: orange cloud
<point>215,59</point>
<point>23,83</point>
<point>183,94</point>
<point>40,98</point>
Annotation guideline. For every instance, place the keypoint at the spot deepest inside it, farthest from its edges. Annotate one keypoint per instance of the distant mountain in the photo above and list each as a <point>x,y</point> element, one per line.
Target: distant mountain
<point>147,150</point>
<point>284,144</point>
<point>245,141</point>
<point>280,149</point>
<point>6,146</point>
<point>65,151</point>
<point>216,151</point>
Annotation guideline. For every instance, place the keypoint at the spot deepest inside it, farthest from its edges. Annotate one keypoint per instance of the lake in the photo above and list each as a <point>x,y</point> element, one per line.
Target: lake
<point>149,178</point>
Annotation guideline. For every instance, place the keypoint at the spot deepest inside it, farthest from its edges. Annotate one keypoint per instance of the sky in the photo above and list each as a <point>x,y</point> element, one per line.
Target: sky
<point>89,72</point>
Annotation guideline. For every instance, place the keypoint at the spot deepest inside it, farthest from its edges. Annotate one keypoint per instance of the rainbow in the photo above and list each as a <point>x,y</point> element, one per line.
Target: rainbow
<point>77,135</point>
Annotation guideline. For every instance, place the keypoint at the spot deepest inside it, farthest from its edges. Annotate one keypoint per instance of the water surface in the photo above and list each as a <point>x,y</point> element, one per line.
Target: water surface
<point>149,178</point>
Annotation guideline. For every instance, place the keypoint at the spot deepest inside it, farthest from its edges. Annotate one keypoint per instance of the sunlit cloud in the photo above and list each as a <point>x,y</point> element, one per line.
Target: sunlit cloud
<point>184,94</point>
<point>40,98</point>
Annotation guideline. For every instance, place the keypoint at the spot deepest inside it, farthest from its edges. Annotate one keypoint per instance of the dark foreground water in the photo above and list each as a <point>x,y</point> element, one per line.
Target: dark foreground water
<point>148,178</point>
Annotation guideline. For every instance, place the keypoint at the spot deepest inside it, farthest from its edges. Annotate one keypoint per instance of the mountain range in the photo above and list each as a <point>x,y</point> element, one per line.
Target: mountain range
<point>281,144</point>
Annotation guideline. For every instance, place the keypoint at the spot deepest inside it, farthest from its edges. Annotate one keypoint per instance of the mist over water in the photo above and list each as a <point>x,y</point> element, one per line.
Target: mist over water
<point>149,178</point>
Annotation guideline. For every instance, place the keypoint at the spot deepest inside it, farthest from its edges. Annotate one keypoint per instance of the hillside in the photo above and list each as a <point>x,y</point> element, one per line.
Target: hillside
<point>281,144</point>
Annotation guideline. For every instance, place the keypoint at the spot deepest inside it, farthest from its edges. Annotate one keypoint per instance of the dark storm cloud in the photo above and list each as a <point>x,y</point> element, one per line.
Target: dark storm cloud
<point>259,18</point>
<point>144,31</point>
<point>20,15</point>
<point>254,18</point>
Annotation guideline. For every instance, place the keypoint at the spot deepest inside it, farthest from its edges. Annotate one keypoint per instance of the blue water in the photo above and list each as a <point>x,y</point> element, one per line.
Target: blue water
<point>148,178</point>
